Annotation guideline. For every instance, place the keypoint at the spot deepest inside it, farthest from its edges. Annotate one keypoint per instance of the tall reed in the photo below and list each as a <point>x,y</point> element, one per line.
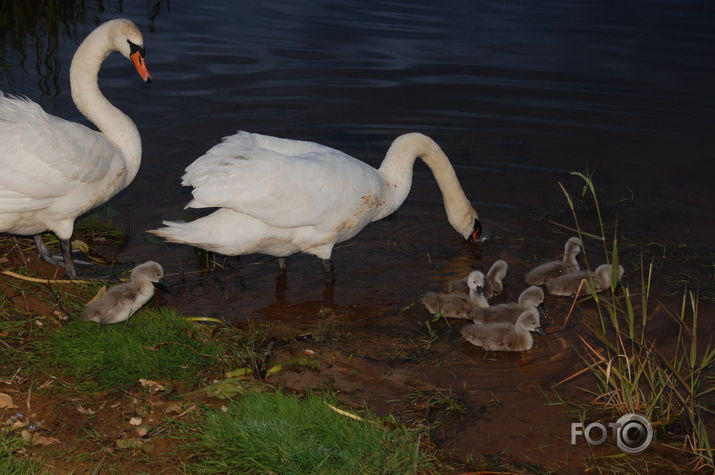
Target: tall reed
<point>667,382</point>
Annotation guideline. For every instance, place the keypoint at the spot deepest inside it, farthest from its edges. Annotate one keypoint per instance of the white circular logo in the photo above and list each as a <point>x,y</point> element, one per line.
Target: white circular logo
<point>634,433</point>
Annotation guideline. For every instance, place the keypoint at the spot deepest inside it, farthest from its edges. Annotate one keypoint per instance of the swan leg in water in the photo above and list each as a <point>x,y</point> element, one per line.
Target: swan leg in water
<point>329,271</point>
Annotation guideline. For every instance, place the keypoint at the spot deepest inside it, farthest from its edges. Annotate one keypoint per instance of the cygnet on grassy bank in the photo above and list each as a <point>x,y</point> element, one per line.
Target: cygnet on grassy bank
<point>123,300</point>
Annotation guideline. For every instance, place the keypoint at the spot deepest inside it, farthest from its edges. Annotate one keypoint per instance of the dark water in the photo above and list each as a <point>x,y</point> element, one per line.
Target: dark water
<point>518,94</point>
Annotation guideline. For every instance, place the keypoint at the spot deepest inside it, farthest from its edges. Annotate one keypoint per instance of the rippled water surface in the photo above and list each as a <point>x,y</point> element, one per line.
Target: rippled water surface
<point>517,93</point>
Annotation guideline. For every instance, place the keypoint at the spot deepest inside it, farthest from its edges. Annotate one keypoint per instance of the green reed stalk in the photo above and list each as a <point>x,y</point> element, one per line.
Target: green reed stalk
<point>633,376</point>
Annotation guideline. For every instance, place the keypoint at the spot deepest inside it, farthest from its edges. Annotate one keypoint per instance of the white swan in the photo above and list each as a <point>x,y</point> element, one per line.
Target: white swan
<point>54,170</point>
<point>279,197</point>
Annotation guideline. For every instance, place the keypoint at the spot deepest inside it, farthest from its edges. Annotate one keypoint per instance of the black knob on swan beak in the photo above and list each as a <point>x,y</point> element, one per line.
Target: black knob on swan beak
<point>479,233</point>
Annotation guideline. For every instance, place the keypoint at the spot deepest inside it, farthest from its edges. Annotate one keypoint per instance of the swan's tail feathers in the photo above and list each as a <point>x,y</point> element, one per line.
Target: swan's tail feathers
<point>174,231</point>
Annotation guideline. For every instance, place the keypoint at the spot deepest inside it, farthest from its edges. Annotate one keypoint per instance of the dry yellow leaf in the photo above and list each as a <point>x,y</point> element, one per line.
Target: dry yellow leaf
<point>98,295</point>
<point>80,246</point>
<point>6,402</point>
<point>148,383</point>
<point>42,440</point>
<point>85,411</point>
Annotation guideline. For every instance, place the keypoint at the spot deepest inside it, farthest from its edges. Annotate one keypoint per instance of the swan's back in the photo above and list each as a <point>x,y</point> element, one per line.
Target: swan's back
<point>45,157</point>
<point>282,182</point>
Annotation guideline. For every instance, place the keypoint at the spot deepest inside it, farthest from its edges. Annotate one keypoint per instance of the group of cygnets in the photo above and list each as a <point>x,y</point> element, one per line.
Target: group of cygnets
<point>502,327</point>
<point>508,326</point>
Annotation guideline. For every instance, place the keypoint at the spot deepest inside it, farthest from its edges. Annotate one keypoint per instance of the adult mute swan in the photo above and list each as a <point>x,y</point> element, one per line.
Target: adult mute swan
<point>54,170</point>
<point>279,196</point>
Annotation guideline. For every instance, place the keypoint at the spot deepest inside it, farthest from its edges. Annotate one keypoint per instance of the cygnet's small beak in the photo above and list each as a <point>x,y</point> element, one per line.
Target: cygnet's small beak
<point>540,331</point>
<point>162,284</point>
<point>479,290</point>
<point>540,308</point>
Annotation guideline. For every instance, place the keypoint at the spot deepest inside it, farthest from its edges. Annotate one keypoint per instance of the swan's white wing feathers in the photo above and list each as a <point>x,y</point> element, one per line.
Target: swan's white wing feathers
<point>285,183</point>
<point>45,157</point>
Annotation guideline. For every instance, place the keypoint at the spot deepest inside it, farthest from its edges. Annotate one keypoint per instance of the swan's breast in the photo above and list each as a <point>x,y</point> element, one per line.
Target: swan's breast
<point>361,213</point>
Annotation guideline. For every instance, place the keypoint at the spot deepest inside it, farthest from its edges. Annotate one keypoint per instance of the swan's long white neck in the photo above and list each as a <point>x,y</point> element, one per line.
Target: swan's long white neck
<point>396,170</point>
<point>113,123</point>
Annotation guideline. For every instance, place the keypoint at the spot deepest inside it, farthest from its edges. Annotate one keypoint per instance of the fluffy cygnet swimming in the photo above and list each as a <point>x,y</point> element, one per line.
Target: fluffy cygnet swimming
<point>530,298</point>
<point>567,285</point>
<point>123,300</point>
<point>458,305</point>
<point>503,336</point>
<point>542,274</point>
<point>493,283</point>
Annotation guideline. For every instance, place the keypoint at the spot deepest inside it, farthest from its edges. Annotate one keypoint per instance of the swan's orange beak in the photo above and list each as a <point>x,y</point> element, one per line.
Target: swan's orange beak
<point>140,64</point>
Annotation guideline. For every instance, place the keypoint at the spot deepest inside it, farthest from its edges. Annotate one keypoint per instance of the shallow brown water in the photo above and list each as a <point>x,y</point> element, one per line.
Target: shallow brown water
<point>518,95</point>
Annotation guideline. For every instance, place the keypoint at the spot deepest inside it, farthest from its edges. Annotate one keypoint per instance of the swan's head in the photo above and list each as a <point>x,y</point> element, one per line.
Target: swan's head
<point>150,270</point>
<point>475,281</point>
<point>128,40</point>
<point>532,297</point>
<point>605,271</point>
<point>573,246</point>
<point>530,321</point>
<point>479,233</point>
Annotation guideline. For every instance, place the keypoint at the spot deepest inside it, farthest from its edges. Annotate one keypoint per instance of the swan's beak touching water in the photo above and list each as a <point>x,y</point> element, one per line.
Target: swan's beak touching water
<point>137,57</point>
<point>479,234</point>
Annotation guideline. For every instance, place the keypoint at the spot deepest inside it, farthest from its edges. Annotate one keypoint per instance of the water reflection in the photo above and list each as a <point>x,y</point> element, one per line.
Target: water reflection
<point>32,32</point>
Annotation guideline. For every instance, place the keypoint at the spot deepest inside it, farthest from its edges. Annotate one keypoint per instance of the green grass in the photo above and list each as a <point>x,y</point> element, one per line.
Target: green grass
<point>275,432</point>
<point>10,463</point>
<point>666,382</point>
<point>158,344</point>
